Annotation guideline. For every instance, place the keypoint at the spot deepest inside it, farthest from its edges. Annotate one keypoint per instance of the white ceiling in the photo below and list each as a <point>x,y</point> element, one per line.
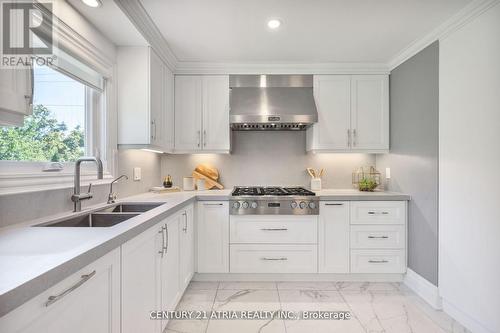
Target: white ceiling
<point>312,30</point>
<point>111,22</point>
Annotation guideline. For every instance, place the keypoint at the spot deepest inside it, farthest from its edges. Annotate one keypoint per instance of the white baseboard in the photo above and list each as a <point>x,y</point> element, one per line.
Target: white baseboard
<point>423,288</point>
<point>464,319</point>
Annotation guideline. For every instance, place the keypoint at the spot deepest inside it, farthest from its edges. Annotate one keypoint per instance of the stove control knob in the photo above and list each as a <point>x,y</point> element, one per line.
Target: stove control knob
<point>236,205</point>
<point>244,204</point>
<point>312,205</point>
<point>253,205</point>
<point>303,205</point>
<point>293,204</point>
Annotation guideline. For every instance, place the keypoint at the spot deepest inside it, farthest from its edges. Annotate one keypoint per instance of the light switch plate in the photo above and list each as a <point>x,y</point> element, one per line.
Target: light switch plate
<point>137,174</point>
<point>387,173</point>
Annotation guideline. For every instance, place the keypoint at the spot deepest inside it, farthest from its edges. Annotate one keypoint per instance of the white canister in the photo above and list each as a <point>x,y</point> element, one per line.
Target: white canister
<point>188,184</point>
<point>200,184</point>
<point>315,184</point>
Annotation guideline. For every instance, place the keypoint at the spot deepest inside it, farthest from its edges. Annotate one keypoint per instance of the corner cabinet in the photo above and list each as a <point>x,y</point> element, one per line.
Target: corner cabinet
<point>16,96</point>
<point>353,114</point>
<point>87,301</point>
<point>202,114</point>
<point>145,100</point>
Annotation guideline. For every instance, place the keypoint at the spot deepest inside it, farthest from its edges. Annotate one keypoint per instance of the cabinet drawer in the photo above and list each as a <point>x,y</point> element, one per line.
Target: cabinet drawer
<point>274,229</point>
<point>378,212</point>
<point>378,236</point>
<point>378,261</point>
<point>273,259</point>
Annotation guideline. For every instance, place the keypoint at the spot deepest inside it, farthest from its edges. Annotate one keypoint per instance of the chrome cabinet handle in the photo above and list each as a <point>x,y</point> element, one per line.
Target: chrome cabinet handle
<point>334,204</point>
<point>378,261</point>
<point>166,238</point>
<point>378,213</point>
<point>153,127</point>
<point>199,138</point>
<point>162,252</point>
<point>84,278</point>
<point>274,259</point>
<point>354,138</point>
<point>185,222</point>
<point>348,138</point>
<point>212,204</point>
<point>274,229</point>
<point>381,237</point>
<point>204,138</point>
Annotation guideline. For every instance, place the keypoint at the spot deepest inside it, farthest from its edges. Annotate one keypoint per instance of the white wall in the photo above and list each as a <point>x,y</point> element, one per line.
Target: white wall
<point>469,183</point>
<point>270,158</point>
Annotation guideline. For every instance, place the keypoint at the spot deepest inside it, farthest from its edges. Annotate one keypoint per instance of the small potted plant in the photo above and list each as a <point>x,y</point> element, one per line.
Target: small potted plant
<point>367,184</point>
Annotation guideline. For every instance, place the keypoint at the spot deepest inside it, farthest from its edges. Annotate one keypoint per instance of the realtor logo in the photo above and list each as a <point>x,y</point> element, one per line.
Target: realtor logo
<point>27,34</point>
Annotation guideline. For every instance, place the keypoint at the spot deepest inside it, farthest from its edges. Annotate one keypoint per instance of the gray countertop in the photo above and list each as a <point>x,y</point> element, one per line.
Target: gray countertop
<point>34,259</point>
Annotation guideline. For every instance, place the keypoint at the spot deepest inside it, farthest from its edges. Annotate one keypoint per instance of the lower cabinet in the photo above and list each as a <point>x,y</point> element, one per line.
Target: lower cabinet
<point>186,245</point>
<point>213,237</point>
<point>274,258</point>
<point>87,301</point>
<point>142,264</point>
<point>333,244</point>
<point>154,271</point>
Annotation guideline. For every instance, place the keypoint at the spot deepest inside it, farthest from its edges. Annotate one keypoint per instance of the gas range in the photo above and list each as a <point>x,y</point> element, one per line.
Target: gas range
<point>273,200</point>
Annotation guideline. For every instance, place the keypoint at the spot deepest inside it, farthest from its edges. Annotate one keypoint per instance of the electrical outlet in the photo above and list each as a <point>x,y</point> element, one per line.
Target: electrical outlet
<point>137,174</point>
<point>387,173</point>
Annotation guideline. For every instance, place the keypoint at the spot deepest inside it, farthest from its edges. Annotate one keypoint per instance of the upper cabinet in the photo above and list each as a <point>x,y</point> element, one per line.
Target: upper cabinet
<point>16,96</point>
<point>353,114</point>
<point>145,100</point>
<point>202,114</point>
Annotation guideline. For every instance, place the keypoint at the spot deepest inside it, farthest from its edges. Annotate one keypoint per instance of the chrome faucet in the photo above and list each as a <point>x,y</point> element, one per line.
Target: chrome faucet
<point>112,195</point>
<point>77,198</point>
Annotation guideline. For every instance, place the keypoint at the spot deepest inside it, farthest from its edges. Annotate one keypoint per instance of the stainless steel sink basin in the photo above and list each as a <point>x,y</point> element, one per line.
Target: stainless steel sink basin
<point>136,207</point>
<point>91,220</point>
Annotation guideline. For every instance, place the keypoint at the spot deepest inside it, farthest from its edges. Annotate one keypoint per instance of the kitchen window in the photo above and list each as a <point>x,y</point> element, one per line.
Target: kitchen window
<point>68,121</point>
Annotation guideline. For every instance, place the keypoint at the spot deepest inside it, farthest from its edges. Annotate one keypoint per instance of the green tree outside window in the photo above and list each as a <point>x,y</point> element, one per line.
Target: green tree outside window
<point>42,138</point>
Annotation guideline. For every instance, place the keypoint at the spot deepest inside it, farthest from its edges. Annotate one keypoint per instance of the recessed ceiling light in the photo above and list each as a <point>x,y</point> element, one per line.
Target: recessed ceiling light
<point>273,24</point>
<point>93,3</point>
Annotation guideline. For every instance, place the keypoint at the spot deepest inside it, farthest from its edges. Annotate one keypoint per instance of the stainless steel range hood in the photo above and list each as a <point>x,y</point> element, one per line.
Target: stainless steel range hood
<point>272,102</point>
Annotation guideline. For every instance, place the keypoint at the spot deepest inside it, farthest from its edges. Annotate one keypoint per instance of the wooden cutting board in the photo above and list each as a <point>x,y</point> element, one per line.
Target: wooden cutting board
<point>209,182</point>
<point>208,170</point>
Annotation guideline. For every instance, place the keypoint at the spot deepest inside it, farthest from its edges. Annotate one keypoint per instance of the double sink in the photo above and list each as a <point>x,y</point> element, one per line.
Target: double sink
<point>105,217</point>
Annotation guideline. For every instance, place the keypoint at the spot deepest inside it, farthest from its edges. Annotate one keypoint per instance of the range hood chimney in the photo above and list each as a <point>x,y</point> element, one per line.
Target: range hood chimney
<point>271,102</point>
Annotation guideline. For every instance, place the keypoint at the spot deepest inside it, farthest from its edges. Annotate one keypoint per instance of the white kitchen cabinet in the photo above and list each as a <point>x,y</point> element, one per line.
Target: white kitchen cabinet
<point>145,100</point>
<point>370,112</point>
<point>186,245</point>
<point>16,96</point>
<point>213,237</point>
<point>202,114</point>
<point>142,259</point>
<point>332,94</point>
<point>87,301</point>
<point>353,114</point>
<point>333,243</point>
<point>170,291</point>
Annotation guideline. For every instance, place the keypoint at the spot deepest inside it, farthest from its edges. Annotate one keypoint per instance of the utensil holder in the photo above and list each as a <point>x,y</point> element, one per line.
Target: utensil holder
<point>315,184</point>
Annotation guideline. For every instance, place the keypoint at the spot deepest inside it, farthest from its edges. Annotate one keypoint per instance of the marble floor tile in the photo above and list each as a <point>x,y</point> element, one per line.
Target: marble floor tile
<point>367,286</point>
<point>246,299</point>
<point>309,285</point>
<point>246,326</point>
<point>203,285</point>
<point>193,300</point>
<point>248,285</point>
<point>389,311</point>
<point>298,301</point>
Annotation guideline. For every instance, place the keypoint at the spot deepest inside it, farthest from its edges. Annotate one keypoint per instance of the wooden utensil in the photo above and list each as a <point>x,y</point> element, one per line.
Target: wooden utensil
<point>321,173</point>
<point>311,172</point>
<point>209,182</point>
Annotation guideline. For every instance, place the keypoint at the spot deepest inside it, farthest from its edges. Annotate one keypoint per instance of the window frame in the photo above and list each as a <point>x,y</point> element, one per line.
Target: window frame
<point>24,176</point>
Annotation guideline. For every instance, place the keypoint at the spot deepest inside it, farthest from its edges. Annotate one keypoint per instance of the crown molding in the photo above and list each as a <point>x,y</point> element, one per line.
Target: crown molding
<point>186,68</point>
<point>465,15</point>
<point>146,26</point>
